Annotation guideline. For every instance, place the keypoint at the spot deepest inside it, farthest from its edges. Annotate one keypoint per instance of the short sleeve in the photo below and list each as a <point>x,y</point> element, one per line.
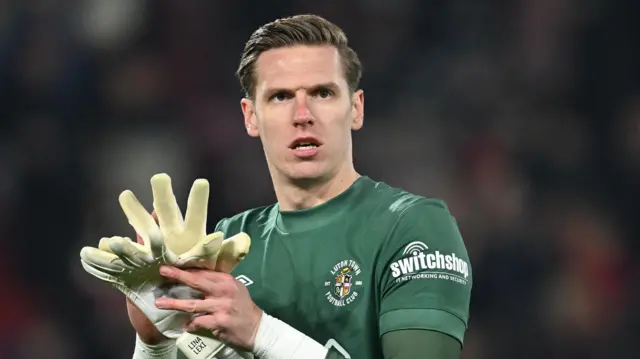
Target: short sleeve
<point>425,280</point>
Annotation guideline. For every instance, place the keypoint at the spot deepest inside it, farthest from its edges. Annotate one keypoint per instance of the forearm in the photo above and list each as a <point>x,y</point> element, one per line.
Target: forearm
<point>274,340</point>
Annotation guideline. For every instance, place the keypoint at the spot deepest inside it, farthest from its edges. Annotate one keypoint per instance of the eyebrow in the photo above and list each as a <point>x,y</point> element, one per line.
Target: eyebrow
<point>329,85</point>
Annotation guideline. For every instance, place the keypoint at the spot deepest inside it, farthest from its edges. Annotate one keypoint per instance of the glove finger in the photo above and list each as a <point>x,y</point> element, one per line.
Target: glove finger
<point>211,244</point>
<point>157,245</point>
<point>139,239</point>
<point>232,251</point>
<point>138,217</point>
<point>98,273</point>
<point>196,215</point>
<point>203,254</point>
<point>115,245</point>
<point>164,203</point>
<point>104,245</point>
<point>104,261</point>
<point>130,252</point>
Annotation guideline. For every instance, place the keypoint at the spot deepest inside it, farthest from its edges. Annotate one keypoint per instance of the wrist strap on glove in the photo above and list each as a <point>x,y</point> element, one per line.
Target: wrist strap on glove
<point>198,347</point>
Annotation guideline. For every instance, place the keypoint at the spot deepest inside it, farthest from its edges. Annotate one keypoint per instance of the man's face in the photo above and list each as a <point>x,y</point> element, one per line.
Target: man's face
<point>303,111</point>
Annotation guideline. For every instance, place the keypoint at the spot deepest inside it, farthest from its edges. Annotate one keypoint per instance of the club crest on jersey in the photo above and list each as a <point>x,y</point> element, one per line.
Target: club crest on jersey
<point>342,289</point>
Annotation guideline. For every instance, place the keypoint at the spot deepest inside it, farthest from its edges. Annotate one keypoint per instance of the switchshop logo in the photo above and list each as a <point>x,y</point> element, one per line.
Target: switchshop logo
<point>418,263</point>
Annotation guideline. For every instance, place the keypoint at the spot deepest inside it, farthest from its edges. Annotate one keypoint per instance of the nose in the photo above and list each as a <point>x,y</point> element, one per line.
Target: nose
<point>302,115</point>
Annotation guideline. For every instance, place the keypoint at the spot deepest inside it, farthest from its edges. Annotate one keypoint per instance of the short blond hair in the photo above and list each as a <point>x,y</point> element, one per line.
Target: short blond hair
<point>297,30</point>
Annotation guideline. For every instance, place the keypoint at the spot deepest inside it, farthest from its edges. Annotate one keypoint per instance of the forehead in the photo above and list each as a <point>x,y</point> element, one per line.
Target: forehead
<point>299,66</point>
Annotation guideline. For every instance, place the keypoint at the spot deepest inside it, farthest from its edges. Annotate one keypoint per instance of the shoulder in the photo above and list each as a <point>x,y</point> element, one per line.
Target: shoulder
<point>401,204</point>
<point>411,219</point>
<point>250,218</point>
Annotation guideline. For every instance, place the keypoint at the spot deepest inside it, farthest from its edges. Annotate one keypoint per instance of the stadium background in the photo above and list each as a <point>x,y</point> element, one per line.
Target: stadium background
<point>523,115</point>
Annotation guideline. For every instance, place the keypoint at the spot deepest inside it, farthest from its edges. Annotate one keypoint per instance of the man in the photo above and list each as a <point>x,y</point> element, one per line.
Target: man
<point>341,266</point>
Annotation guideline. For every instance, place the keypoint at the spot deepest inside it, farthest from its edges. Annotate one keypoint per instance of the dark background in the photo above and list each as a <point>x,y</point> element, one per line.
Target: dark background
<point>523,115</point>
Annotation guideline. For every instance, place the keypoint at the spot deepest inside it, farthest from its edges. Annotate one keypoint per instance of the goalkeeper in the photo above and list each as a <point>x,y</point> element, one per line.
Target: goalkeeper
<point>341,266</point>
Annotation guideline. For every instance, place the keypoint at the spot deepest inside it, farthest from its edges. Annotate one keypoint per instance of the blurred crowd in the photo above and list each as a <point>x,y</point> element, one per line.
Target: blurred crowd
<point>524,116</point>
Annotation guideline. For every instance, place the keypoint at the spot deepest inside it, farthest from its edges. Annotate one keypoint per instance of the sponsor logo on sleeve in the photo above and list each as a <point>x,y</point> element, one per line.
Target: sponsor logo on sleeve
<point>418,262</point>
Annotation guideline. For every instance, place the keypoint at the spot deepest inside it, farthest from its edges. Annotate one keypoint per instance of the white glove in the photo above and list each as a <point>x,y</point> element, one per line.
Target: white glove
<point>135,272</point>
<point>134,269</point>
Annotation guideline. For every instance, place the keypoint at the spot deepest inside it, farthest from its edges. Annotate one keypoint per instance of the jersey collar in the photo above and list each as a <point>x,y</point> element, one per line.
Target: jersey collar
<point>323,214</point>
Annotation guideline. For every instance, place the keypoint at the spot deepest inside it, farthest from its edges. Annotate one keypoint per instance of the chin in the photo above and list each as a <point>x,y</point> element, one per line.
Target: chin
<point>306,172</point>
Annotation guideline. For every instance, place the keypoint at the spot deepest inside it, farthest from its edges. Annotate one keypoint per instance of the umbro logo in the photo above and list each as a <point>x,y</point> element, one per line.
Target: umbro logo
<point>244,280</point>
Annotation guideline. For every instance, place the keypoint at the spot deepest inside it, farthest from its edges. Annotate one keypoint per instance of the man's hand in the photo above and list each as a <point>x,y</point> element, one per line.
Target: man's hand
<point>227,309</point>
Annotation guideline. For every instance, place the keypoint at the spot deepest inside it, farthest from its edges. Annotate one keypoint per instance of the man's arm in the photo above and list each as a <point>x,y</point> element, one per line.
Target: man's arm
<point>424,280</point>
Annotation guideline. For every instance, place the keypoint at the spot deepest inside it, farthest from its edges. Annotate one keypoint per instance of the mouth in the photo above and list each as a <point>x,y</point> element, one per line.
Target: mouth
<point>305,148</point>
<point>305,143</point>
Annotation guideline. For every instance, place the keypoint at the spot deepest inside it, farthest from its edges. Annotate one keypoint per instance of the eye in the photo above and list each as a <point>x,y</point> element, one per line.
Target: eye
<point>280,97</point>
<point>323,93</point>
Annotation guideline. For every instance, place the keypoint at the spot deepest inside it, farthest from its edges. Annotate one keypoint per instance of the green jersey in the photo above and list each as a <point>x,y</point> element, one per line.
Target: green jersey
<point>375,259</point>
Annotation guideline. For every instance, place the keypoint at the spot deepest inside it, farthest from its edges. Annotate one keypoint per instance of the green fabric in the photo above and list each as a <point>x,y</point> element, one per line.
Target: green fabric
<point>428,319</point>
<point>413,344</point>
<point>419,344</point>
<point>427,268</point>
<point>352,269</point>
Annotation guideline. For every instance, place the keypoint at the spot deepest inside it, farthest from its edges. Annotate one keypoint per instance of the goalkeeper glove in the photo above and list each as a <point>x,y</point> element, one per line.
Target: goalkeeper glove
<point>134,268</point>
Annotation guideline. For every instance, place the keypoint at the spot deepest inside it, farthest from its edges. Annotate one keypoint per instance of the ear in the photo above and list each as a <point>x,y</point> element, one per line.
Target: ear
<point>357,110</point>
<point>250,119</point>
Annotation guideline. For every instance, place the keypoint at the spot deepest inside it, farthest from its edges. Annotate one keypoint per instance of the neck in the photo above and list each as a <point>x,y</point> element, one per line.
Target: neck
<point>302,194</point>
